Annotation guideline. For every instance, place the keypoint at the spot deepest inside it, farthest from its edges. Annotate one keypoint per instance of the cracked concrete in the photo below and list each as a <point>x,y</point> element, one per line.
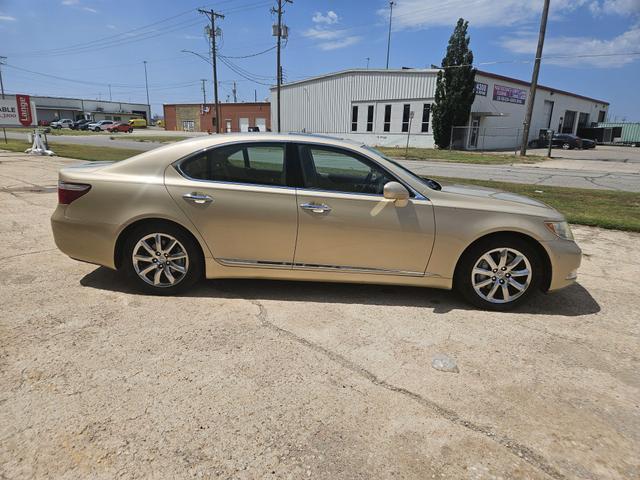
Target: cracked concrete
<point>256,379</point>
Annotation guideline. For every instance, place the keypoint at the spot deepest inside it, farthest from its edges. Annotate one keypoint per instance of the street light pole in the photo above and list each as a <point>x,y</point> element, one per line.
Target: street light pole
<point>534,78</point>
<point>391,4</point>
<point>146,82</point>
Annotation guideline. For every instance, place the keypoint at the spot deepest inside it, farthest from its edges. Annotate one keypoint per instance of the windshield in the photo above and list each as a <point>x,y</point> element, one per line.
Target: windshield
<point>432,184</point>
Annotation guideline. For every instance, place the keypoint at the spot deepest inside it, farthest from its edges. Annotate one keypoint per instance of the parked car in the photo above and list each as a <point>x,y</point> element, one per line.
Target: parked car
<point>79,123</point>
<point>304,207</point>
<point>63,123</point>
<point>99,126</point>
<point>565,141</point>
<point>138,123</point>
<point>120,127</point>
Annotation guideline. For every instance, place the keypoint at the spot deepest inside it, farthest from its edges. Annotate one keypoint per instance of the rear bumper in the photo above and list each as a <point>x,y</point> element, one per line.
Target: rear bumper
<point>565,259</point>
<point>90,242</point>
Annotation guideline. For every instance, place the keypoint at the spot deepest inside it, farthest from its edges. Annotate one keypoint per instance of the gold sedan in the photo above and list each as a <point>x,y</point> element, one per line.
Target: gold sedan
<point>303,207</point>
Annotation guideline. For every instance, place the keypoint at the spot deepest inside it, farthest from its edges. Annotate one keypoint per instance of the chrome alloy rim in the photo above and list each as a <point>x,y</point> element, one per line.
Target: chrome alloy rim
<point>501,275</point>
<point>160,260</point>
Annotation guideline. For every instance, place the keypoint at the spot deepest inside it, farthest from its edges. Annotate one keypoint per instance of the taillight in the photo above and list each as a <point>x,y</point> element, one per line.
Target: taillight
<point>68,192</point>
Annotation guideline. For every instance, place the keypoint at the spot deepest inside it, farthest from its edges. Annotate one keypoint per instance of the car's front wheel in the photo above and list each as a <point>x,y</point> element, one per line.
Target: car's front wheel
<point>162,259</point>
<point>499,272</point>
<point>566,146</point>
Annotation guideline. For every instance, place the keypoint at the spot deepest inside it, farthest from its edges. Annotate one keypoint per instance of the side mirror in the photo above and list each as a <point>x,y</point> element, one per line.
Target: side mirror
<point>396,192</point>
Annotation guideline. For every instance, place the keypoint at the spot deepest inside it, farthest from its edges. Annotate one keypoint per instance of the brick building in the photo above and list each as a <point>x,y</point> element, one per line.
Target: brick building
<point>236,117</point>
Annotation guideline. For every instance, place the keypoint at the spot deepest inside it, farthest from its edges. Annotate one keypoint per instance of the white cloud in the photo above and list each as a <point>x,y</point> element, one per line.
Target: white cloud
<point>7,18</point>
<point>89,9</point>
<point>330,18</point>
<point>568,51</point>
<point>70,2</point>
<point>111,26</point>
<point>495,13</point>
<point>327,35</point>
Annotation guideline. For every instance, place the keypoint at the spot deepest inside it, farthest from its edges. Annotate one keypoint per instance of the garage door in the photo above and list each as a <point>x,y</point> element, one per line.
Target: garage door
<point>261,123</point>
<point>244,124</point>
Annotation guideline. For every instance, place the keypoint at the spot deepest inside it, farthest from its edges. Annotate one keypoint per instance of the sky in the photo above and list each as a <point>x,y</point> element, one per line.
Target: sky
<point>78,48</point>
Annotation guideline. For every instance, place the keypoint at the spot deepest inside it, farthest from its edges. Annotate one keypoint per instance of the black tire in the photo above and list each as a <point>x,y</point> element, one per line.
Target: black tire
<point>566,146</point>
<point>97,129</point>
<point>463,274</point>
<point>194,264</point>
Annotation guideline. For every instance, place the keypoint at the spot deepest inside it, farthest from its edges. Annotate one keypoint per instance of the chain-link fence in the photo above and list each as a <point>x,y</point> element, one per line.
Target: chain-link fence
<point>475,137</point>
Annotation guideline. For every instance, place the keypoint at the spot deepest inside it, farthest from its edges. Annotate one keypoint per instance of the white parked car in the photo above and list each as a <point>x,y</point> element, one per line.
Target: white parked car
<point>101,125</point>
<point>63,123</point>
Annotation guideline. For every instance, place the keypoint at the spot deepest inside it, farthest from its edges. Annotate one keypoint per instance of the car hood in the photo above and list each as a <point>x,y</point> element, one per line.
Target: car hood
<point>500,199</point>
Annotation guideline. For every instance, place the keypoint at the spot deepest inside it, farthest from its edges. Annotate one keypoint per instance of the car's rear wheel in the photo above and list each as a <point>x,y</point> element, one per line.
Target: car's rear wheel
<point>498,273</point>
<point>162,259</point>
<point>566,146</point>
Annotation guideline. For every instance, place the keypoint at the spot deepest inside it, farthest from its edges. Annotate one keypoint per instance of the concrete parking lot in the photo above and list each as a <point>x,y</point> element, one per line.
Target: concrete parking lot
<point>263,379</point>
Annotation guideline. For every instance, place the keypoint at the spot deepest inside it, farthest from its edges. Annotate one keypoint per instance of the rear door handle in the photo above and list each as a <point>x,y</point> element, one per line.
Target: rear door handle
<point>198,198</point>
<point>316,208</point>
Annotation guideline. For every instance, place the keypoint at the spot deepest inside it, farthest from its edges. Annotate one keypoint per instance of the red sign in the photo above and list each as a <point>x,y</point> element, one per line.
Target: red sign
<point>24,109</point>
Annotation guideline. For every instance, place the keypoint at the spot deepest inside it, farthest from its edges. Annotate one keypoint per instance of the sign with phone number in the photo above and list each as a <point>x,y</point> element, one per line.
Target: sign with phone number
<point>509,94</point>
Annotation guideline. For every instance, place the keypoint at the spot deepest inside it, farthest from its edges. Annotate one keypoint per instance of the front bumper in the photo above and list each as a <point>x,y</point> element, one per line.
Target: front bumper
<point>90,242</point>
<point>565,256</point>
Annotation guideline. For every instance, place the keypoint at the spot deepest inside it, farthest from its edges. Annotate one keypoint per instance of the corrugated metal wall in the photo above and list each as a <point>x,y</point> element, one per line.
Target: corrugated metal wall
<point>324,104</point>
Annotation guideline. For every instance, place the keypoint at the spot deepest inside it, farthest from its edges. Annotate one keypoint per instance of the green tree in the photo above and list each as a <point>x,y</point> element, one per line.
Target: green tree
<point>455,87</point>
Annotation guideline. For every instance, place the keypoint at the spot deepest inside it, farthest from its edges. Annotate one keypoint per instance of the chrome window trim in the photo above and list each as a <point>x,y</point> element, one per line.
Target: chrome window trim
<point>177,165</point>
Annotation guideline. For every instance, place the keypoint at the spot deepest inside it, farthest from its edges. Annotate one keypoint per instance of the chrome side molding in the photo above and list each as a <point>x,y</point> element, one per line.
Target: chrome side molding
<point>234,262</point>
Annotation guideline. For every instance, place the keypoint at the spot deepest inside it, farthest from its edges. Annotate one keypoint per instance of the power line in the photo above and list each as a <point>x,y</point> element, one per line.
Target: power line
<point>251,54</point>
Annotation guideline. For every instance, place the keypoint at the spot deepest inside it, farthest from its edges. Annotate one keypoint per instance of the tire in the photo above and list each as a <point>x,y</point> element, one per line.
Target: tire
<point>130,130</point>
<point>97,129</point>
<point>185,271</point>
<point>566,146</point>
<point>492,295</point>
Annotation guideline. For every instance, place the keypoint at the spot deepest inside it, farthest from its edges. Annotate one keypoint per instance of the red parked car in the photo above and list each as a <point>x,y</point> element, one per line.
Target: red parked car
<point>120,127</point>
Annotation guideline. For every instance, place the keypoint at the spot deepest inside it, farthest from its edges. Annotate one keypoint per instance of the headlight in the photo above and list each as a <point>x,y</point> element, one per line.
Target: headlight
<point>561,229</point>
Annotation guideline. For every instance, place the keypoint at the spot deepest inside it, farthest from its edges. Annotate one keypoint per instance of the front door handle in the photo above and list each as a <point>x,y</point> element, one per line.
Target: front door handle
<point>198,198</point>
<point>316,208</point>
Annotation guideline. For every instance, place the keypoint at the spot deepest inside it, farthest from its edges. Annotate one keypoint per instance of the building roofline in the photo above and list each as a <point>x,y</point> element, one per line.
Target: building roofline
<point>79,99</point>
<point>435,70</point>
<point>221,103</point>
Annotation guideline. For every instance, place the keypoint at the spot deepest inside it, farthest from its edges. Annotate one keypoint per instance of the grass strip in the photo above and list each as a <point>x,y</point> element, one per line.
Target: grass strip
<point>455,156</point>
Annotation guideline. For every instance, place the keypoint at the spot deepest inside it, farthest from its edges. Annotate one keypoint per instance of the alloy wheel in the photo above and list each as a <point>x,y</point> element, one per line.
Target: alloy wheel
<point>501,275</point>
<point>160,260</point>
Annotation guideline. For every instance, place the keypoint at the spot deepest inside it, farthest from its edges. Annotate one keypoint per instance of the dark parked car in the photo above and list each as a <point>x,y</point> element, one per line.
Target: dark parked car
<point>565,141</point>
<point>77,125</point>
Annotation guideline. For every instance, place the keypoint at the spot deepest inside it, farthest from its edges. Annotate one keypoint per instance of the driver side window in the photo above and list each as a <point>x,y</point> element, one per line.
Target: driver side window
<point>336,170</point>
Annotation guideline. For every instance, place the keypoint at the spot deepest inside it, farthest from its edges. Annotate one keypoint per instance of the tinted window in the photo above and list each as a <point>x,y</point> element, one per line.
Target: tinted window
<point>261,164</point>
<point>405,117</point>
<point>387,118</point>
<point>426,109</point>
<point>341,171</point>
<point>354,118</point>
<point>370,118</point>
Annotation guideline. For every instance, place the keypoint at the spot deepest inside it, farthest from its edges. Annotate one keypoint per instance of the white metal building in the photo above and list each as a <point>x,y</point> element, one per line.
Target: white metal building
<point>49,109</point>
<point>384,107</point>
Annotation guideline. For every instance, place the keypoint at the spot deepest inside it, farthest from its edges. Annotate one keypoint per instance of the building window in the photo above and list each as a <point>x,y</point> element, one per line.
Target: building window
<point>426,110</point>
<point>370,119</point>
<point>602,115</point>
<point>405,117</point>
<point>354,118</point>
<point>387,118</point>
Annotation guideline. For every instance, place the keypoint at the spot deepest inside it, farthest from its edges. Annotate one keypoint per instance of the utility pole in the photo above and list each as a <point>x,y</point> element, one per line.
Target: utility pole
<point>204,92</point>
<point>255,95</point>
<point>110,99</point>
<point>146,83</point>
<point>534,78</point>
<point>280,33</point>
<point>235,92</point>
<point>391,4</point>
<point>214,53</point>
<point>367,59</point>
<point>2,61</point>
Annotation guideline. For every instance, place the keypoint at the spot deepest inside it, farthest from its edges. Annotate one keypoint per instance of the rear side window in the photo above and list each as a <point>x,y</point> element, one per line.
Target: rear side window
<point>259,164</point>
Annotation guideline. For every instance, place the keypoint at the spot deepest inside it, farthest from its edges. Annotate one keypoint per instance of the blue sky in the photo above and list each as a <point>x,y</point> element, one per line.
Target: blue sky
<point>102,42</point>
